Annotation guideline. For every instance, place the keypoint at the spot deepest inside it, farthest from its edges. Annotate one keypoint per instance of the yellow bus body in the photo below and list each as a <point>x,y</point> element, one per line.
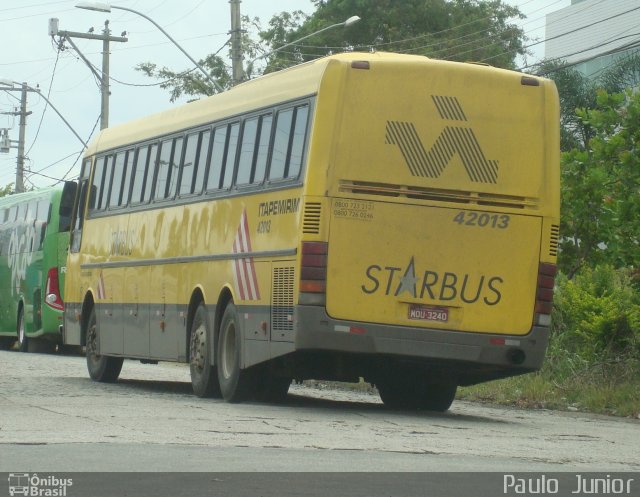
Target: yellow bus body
<point>433,186</point>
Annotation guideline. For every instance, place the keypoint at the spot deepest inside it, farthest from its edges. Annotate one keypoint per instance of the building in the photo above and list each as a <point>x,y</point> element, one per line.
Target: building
<point>592,34</point>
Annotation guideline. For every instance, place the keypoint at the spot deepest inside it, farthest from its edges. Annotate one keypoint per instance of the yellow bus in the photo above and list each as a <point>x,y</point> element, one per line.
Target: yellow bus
<point>365,215</point>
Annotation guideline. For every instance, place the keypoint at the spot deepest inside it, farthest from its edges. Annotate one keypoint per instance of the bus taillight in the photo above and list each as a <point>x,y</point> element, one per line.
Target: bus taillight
<point>52,296</point>
<point>313,273</point>
<point>544,293</point>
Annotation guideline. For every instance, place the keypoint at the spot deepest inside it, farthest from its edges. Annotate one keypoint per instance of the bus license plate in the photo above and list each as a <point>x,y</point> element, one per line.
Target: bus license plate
<point>426,313</point>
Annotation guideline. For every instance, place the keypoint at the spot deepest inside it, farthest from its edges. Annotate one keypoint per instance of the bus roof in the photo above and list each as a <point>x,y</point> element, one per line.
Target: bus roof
<point>281,86</point>
<point>17,198</point>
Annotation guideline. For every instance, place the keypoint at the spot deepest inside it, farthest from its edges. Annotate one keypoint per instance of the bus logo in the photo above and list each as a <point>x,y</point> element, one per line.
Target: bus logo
<point>18,484</point>
<point>454,139</point>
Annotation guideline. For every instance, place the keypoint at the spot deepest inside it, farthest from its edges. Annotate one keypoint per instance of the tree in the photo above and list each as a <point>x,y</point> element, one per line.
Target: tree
<point>461,30</point>
<point>601,188</point>
<point>7,190</point>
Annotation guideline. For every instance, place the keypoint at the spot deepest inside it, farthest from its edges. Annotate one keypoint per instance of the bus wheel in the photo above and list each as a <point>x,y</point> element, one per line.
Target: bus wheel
<point>101,368</point>
<point>235,383</point>
<point>438,396</point>
<point>404,392</point>
<point>204,377</point>
<point>23,340</point>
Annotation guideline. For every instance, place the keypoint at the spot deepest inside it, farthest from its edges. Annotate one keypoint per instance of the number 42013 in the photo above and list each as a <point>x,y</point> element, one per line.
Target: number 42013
<point>482,220</point>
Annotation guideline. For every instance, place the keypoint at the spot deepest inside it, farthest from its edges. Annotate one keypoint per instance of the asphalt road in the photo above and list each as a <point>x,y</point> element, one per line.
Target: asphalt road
<point>53,418</point>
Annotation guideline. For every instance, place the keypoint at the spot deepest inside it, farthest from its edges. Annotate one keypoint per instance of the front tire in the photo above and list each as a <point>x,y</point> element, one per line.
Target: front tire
<point>204,376</point>
<point>101,368</point>
<point>236,384</point>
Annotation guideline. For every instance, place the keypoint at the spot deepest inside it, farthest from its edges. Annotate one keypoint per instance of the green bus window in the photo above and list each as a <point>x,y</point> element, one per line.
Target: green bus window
<point>139,173</point>
<point>128,173</point>
<point>262,154</point>
<point>174,168</point>
<point>201,166</point>
<point>22,212</point>
<point>232,152</point>
<point>189,164</point>
<point>217,156</point>
<point>281,144</point>
<point>32,210</point>
<point>297,145</point>
<point>247,151</point>
<point>42,211</point>
<point>13,211</point>
<point>151,170</point>
<point>118,174</point>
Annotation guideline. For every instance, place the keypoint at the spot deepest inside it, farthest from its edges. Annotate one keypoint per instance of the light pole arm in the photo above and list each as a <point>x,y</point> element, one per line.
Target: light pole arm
<point>209,78</point>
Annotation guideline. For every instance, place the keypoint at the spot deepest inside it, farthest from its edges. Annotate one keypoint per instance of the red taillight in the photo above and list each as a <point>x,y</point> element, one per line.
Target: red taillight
<point>52,293</point>
<point>544,293</point>
<point>313,273</point>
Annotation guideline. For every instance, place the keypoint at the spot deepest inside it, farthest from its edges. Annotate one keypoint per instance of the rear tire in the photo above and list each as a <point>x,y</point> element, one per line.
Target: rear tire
<point>101,368</point>
<point>235,384</point>
<point>204,376</point>
<point>406,392</point>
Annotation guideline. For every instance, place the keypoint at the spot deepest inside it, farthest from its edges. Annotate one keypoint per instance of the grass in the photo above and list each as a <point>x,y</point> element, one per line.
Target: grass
<point>612,389</point>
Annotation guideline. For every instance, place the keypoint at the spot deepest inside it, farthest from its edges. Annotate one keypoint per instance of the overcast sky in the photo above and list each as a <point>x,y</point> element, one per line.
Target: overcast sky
<point>200,26</point>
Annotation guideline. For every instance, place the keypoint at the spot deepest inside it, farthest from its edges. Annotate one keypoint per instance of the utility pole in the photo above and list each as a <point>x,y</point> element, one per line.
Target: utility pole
<point>104,76</point>
<point>237,69</point>
<point>21,138</point>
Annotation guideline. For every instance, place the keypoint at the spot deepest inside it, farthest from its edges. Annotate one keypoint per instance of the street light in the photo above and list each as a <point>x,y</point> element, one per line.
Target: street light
<point>105,7</point>
<point>352,20</point>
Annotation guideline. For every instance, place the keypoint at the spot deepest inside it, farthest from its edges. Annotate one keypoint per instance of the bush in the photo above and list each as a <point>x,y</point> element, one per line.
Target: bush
<point>596,318</point>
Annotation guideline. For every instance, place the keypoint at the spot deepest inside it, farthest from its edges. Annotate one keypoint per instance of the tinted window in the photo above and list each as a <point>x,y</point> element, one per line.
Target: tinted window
<point>217,156</point>
<point>262,154</point>
<point>232,151</point>
<point>106,185</point>
<point>297,145</point>
<point>189,164</point>
<point>128,168</point>
<point>203,152</point>
<point>151,169</point>
<point>281,144</point>
<point>164,170</point>
<point>247,150</point>
<point>174,169</point>
<point>118,175</point>
<point>98,179</point>
<point>139,174</point>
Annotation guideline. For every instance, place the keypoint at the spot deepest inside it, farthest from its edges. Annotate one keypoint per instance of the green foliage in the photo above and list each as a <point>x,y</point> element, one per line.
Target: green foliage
<point>7,190</point>
<point>596,317</point>
<point>600,219</point>
<point>459,30</point>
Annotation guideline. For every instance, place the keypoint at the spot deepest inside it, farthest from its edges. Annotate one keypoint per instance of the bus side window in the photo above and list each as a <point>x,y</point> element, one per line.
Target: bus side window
<point>106,186</point>
<point>262,152</point>
<point>151,170</point>
<point>66,205</point>
<point>119,172</point>
<point>98,179</point>
<point>232,152</point>
<point>164,170</point>
<point>298,141</point>
<point>83,189</point>
<point>201,166</point>
<point>189,163</point>
<point>126,187</point>
<point>281,144</point>
<point>247,151</point>
<point>217,157</point>
<point>139,174</point>
<point>174,168</point>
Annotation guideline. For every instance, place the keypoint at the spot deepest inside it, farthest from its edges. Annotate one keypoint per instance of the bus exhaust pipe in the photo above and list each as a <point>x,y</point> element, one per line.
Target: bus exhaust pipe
<point>516,356</point>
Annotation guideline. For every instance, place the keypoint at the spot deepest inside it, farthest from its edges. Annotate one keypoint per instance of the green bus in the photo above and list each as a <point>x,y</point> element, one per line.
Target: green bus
<point>34,237</point>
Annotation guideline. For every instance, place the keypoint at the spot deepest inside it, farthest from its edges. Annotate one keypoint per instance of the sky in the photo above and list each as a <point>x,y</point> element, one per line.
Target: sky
<point>201,27</point>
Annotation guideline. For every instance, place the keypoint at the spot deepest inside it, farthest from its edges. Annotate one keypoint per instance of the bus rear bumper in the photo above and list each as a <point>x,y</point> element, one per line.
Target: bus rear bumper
<point>473,356</point>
